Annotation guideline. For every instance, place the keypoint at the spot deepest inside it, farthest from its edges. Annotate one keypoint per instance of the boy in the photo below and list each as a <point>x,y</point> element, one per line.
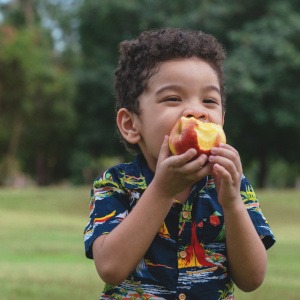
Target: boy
<point>157,225</point>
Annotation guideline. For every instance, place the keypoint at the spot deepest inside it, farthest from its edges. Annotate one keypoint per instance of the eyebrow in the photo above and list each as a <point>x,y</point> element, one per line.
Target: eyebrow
<point>207,88</point>
<point>212,87</point>
<point>168,87</point>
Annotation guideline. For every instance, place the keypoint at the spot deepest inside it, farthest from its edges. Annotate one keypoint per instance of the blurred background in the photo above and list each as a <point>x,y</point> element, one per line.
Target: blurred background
<point>57,60</point>
<point>57,128</point>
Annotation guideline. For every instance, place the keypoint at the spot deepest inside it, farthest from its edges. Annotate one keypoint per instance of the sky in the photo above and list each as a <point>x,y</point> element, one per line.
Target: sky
<point>3,2</point>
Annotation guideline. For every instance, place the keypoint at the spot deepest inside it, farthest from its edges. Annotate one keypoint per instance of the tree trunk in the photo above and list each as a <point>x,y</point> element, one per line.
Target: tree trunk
<point>263,171</point>
<point>28,11</point>
<point>9,166</point>
<point>41,170</point>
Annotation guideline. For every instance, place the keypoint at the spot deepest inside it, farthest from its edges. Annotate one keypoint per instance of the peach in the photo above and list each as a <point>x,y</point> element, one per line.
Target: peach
<point>192,133</point>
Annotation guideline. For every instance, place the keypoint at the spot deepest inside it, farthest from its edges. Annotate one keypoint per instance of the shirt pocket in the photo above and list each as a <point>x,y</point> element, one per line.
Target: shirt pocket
<point>210,229</point>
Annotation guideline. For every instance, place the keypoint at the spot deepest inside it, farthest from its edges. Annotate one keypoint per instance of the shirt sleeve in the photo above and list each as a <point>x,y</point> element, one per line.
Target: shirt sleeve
<point>108,207</point>
<point>261,224</point>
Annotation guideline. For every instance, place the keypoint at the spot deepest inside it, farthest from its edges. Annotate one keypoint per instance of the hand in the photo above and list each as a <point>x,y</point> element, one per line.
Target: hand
<point>176,173</point>
<point>227,172</point>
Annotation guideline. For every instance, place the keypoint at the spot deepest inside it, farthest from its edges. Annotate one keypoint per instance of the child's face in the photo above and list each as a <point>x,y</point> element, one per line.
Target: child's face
<point>186,87</point>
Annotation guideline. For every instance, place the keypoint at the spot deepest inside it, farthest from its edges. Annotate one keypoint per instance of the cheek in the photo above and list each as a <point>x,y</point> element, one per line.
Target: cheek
<point>157,137</point>
<point>218,118</point>
<point>156,127</point>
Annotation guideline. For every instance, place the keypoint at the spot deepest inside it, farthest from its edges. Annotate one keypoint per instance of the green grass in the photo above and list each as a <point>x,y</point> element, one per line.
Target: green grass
<point>282,210</point>
<point>42,256</point>
<point>41,253</point>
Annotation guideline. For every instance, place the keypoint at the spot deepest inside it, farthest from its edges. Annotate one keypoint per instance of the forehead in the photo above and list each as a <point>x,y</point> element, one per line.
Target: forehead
<point>180,71</point>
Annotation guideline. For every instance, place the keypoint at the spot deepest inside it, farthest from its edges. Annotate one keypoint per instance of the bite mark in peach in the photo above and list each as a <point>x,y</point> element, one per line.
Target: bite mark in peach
<point>192,133</point>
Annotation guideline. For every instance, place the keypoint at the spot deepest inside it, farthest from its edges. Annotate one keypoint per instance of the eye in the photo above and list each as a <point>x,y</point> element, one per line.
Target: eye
<point>172,99</point>
<point>210,101</point>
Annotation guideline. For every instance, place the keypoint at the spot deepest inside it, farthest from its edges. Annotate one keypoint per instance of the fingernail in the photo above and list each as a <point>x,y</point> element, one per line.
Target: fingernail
<point>213,150</point>
<point>211,157</point>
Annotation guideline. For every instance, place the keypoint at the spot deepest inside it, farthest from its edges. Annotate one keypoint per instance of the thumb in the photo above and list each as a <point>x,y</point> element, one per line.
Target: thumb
<point>164,149</point>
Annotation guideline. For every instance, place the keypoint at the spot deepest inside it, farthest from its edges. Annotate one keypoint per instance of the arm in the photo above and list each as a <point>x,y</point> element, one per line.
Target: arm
<point>117,253</point>
<point>246,253</point>
<point>124,247</point>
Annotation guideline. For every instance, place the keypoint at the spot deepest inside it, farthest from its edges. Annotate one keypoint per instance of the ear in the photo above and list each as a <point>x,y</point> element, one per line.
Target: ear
<point>128,125</point>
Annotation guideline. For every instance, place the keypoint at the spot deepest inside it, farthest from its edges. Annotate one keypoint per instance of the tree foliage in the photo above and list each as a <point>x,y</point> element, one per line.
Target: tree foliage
<point>36,103</point>
<point>262,40</point>
<point>76,39</point>
<point>263,71</point>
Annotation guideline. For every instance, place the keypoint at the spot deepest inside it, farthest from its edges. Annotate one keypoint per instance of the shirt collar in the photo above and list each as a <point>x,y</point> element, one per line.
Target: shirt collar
<point>141,163</point>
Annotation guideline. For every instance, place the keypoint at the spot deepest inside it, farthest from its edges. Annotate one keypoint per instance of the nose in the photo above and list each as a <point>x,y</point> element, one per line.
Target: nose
<point>197,112</point>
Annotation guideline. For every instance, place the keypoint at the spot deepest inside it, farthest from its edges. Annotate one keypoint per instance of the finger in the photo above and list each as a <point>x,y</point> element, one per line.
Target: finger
<point>204,171</point>
<point>230,153</point>
<point>182,159</point>
<point>224,149</point>
<point>196,164</point>
<point>165,149</point>
<point>229,147</point>
<point>227,164</point>
<point>220,171</point>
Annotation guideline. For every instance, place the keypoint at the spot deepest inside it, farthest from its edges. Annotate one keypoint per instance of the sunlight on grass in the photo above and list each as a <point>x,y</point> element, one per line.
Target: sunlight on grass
<point>43,249</point>
<point>42,254</point>
<point>282,281</point>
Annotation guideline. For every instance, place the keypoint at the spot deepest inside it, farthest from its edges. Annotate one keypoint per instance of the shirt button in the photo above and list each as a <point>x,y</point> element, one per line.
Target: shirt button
<point>185,214</point>
<point>182,296</point>
<point>183,255</point>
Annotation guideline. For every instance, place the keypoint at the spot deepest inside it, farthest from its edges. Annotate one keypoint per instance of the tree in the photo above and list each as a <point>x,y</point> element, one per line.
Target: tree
<point>263,71</point>
<point>36,108</point>
<point>263,50</point>
<point>261,39</point>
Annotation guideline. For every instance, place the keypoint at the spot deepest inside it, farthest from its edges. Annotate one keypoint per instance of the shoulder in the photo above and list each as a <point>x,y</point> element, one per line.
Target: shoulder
<point>247,190</point>
<point>126,175</point>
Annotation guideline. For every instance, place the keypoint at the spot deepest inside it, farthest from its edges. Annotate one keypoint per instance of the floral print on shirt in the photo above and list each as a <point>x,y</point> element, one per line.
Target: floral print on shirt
<point>188,254</point>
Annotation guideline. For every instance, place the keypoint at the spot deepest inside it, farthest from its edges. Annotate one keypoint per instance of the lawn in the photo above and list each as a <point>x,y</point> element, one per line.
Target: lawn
<point>42,257</point>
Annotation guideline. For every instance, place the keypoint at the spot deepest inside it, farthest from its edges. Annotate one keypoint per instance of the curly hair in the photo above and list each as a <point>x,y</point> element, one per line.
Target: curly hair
<point>140,57</point>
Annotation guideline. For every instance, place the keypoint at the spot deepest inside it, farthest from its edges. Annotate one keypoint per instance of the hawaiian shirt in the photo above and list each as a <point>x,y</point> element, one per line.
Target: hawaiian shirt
<point>187,258</point>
